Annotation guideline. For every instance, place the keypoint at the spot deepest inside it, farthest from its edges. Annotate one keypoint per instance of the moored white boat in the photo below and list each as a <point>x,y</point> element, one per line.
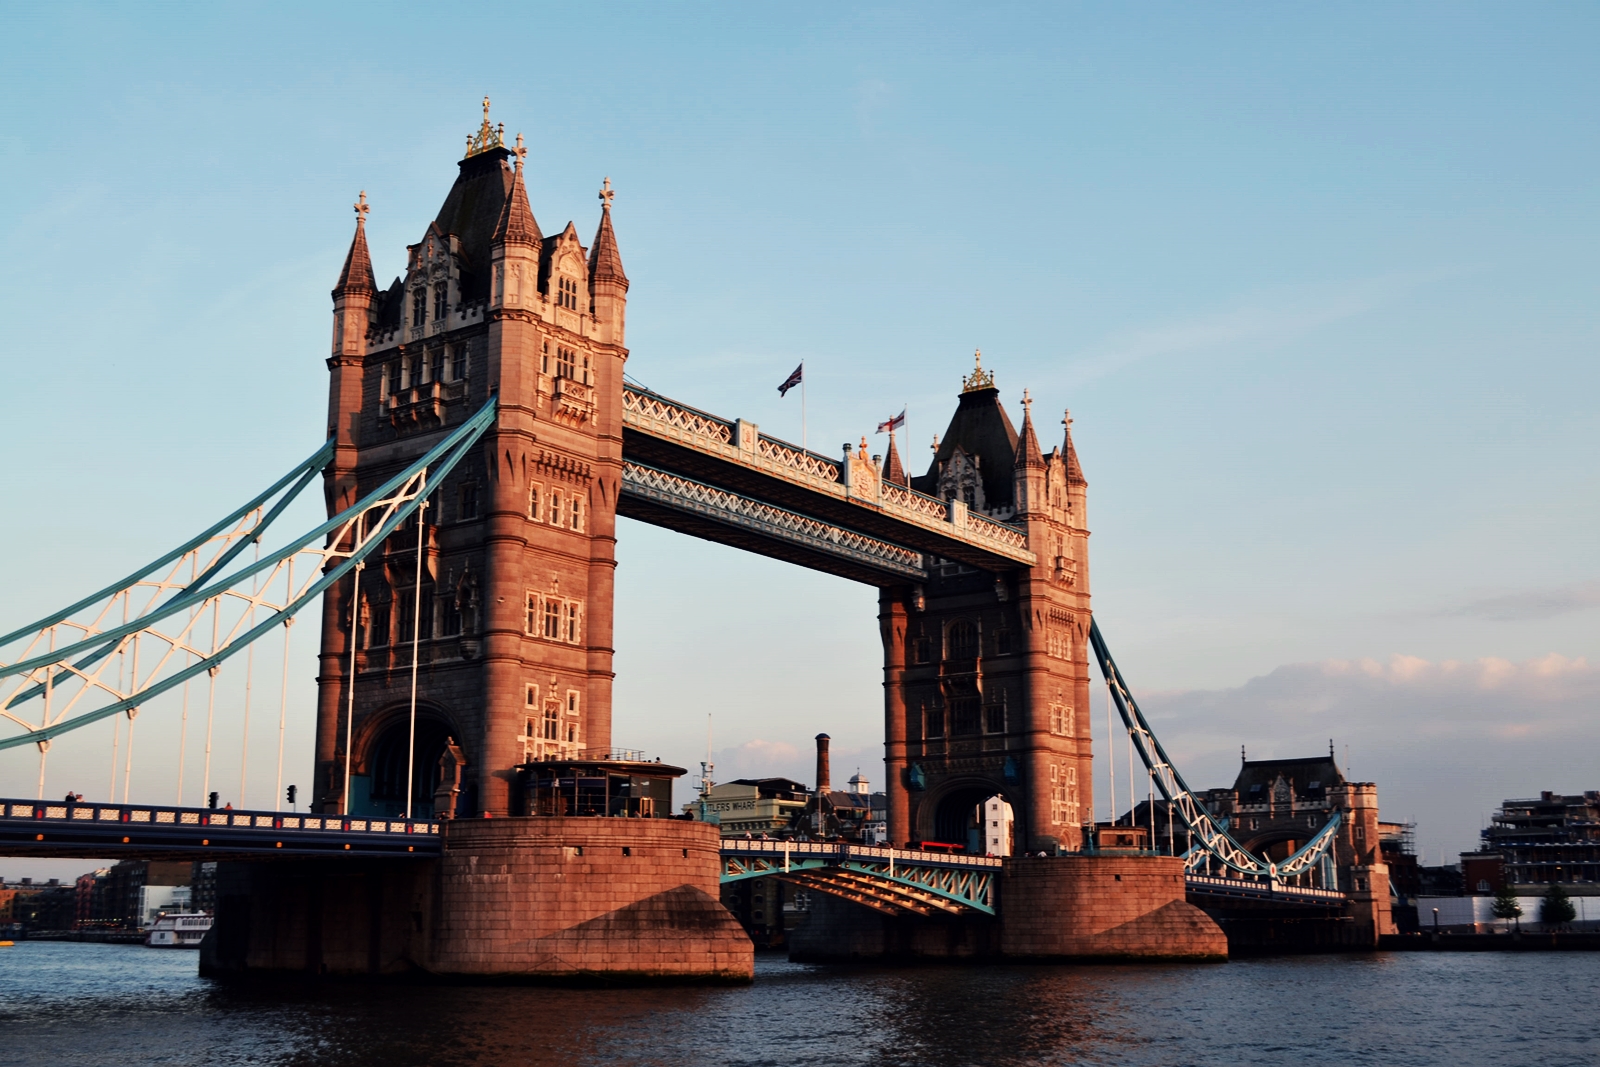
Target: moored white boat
<point>181,929</point>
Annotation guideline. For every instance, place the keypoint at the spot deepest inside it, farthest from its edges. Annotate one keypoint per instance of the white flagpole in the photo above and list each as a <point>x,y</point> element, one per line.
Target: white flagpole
<point>802,403</point>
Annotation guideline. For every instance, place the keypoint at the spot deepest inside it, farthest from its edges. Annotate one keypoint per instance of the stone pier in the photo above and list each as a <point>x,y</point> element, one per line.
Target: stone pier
<point>511,899</point>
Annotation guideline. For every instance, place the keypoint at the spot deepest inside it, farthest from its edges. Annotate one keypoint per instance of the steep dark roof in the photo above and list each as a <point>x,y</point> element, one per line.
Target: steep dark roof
<point>1027,454</point>
<point>980,427</point>
<point>605,262</point>
<point>390,305</point>
<point>1302,772</point>
<point>357,275</point>
<point>516,224</point>
<point>470,212</point>
<point>1074,471</point>
<point>893,470</point>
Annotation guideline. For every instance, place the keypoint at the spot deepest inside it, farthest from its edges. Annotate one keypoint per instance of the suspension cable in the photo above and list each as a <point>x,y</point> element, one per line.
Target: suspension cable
<point>249,675</point>
<point>211,703</point>
<point>283,699</point>
<point>416,638</point>
<point>350,685</point>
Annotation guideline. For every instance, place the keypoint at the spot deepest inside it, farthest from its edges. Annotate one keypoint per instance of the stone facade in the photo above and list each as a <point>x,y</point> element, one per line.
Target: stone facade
<point>986,676</point>
<point>518,543</point>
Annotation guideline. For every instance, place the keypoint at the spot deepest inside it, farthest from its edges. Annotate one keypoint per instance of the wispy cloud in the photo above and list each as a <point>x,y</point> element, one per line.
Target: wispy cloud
<point>1268,320</point>
<point>1529,604</point>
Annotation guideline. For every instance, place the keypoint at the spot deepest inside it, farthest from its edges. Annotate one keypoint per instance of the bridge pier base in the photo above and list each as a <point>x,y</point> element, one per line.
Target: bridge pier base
<point>514,899</point>
<point>1056,908</point>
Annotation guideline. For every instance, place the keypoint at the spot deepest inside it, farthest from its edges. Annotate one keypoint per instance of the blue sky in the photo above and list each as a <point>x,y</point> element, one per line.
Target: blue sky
<point>1319,287</point>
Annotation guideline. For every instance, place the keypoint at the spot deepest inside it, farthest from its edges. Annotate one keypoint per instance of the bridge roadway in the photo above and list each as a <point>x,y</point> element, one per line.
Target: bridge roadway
<point>888,880</point>
<point>725,481</point>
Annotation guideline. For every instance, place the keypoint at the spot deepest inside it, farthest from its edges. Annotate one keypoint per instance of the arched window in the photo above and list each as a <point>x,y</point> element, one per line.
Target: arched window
<point>533,504</point>
<point>419,305</point>
<point>555,507</point>
<point>962,640</point>
<point>441,301</point>
<point>575,513</point>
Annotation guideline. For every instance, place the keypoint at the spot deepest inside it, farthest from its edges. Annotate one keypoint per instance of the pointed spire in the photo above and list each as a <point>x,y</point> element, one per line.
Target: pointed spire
<point>517,225</point>
<point>1074,471</point>
<point>893,470</point>
<point>1028,454</point>
<point>605,262</point>
<point>357,275</point>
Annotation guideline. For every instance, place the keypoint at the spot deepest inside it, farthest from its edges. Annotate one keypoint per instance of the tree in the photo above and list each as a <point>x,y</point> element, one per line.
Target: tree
<point>1506,906</point>
<point>1556,909</point>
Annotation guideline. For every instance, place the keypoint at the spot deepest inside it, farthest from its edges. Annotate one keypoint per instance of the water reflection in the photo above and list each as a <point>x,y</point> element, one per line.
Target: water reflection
<point>86,1004</point>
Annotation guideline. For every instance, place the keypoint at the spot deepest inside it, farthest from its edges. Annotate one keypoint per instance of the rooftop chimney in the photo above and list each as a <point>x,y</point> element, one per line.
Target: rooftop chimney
<point>823,785</point>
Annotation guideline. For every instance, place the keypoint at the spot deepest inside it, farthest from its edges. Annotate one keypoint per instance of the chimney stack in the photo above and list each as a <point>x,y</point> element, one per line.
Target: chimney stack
<point>823,785</point>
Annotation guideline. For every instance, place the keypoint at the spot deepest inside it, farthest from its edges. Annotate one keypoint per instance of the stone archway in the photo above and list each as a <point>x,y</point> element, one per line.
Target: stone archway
<point>953,815</point>
<point>388,747</point>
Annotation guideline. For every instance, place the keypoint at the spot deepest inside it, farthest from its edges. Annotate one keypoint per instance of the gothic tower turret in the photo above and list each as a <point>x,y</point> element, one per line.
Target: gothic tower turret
<point>514,630</point>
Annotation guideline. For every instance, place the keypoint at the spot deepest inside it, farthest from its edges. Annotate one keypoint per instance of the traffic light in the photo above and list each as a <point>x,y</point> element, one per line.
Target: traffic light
<point>290,792</point>
<point>211,801</point>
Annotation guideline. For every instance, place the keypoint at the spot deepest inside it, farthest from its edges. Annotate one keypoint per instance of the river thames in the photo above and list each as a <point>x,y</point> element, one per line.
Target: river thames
<point>63,1005</point>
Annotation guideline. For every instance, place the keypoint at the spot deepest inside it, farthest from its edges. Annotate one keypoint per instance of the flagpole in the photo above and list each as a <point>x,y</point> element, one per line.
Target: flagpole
<point>802,403</point>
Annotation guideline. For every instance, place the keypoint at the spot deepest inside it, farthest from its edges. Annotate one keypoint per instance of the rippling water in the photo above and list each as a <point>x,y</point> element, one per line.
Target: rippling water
<point>67,1004</point>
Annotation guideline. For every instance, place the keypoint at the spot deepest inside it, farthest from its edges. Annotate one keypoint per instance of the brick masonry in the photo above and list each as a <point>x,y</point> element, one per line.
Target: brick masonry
<point>551,898</point>
<point>1058,908</point>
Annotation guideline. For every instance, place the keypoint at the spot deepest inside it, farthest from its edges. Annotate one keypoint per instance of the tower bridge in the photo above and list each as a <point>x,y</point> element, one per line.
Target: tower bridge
<point>482,441</point>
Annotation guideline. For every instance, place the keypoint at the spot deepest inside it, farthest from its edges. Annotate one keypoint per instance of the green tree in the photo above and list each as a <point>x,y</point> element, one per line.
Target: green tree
<point>1556,909</point>
<point>1506,906</point>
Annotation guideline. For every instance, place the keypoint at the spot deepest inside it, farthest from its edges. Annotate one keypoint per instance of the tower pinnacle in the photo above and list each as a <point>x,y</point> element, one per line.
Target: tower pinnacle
<point>979,378</point>
<point>488,137</point>
<point>357,277</point>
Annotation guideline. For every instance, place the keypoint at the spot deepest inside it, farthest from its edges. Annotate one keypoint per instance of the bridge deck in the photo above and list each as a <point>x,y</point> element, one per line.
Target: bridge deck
<point>54,828</point>
<point>733,456</point>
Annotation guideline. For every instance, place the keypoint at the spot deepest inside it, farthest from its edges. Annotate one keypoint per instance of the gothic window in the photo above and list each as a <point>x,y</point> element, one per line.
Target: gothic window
<point>575,513</point>
<point>552,619</point>
<point>572,620</point>
<point>586,379</point>
<point>1063,723</point>
<point>1058,635</point>
<point>567,294</point>
<point>572,702</point>
<point>1003,644</point>
<point>535,610</point>
<point>394,377</point>
<point>458,364</point>
<point>449,614</point>
<point>533,702</point>
<point>437,370</point>
<point>565,362</point>
<point>552,720</point>
<point>933,716</point>
<point>994,715</point>
<point>416,371</point>
<point>963,640</point>
<point>378,622</point>
<point>555,507</point>
<point>965,710</point>
<point>533,504</point>
<point>419,306</point>
<point>544,359</point>
<point>469,502</point>
<point>441,301</point>
<point>408,610</point>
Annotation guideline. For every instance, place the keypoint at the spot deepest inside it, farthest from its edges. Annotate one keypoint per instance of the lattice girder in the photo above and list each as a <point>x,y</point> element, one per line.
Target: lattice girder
<point>76,672</point>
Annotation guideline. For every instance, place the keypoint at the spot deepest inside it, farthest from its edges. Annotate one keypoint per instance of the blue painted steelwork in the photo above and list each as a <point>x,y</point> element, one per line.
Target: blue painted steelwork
<point>45,828</point>
<point>1213,840</point>
<point>886,879</point>
<point>393,502</point>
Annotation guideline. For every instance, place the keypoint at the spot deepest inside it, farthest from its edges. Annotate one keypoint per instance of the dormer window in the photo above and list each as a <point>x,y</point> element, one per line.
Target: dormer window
<point>441,302</point>
<point>419,306</point>
<point>567,293</point>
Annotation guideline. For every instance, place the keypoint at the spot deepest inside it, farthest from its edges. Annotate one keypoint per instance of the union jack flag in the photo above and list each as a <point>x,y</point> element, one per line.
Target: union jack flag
<point>792,380</point>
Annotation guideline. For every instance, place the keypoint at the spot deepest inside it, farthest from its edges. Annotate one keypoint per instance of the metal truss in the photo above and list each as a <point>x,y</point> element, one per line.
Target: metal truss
<point>1214,845</point>
<point>191,609</point>
<point>889,880</point>
<point>731,509</point>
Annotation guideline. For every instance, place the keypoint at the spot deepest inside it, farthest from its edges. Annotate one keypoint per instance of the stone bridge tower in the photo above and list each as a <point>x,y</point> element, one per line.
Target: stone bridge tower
<point>986,676</point>
<point>518,543</point>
